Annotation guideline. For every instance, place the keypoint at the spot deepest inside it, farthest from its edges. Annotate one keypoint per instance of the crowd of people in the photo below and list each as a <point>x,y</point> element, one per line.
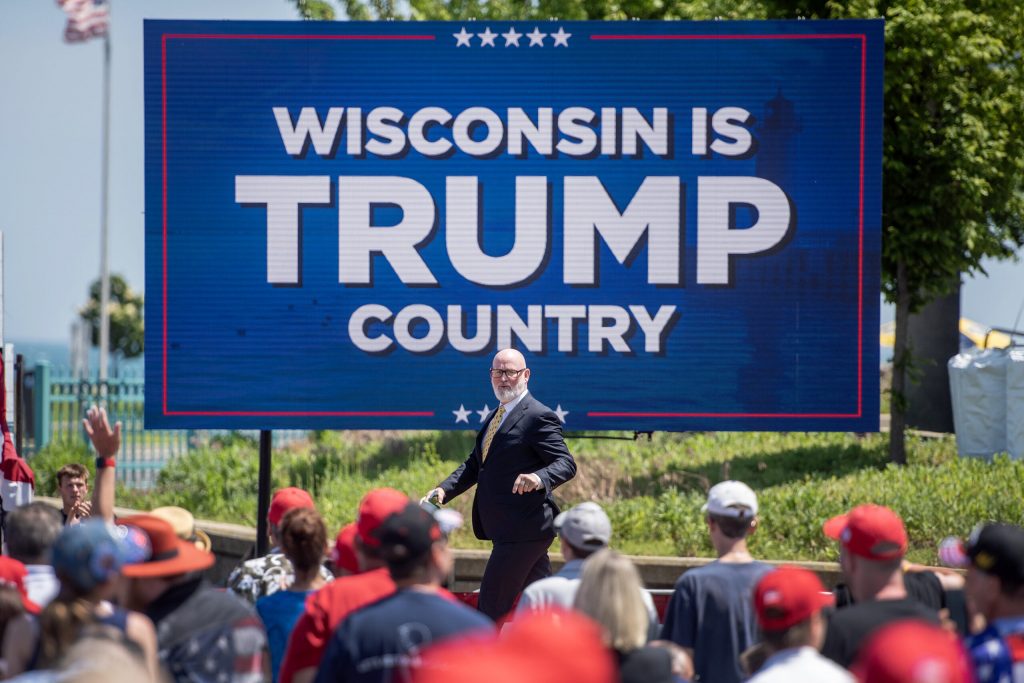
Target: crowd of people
<point>85,596</point>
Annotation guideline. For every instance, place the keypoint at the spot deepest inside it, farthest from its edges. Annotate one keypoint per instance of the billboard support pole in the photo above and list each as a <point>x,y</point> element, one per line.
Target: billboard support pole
<point>263,495</point>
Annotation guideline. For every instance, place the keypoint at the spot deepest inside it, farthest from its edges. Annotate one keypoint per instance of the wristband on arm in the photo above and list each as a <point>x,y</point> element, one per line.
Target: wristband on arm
<point>102,463</point>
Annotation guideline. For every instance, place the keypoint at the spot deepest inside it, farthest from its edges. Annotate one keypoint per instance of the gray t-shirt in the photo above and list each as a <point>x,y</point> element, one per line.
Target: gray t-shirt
<point>560,591</point>
<point>712,612</point>
<point>554,591</point>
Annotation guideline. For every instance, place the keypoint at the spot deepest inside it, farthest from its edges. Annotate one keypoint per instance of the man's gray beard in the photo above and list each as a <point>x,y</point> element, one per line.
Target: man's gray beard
<point>505,395</point>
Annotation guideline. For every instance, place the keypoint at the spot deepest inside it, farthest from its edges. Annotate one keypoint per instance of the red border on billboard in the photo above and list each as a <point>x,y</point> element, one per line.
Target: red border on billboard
<point>604,37</point>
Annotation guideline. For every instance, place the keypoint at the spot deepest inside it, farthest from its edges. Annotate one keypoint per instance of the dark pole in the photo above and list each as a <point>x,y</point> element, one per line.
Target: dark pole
<point>263,494</point>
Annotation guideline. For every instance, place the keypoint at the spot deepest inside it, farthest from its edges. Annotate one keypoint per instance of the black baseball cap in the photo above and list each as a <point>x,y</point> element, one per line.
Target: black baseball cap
<point>998,549</point>
<point>407,534</point>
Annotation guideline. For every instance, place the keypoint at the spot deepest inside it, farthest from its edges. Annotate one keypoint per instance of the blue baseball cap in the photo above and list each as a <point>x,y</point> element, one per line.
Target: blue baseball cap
<point>93,552</point>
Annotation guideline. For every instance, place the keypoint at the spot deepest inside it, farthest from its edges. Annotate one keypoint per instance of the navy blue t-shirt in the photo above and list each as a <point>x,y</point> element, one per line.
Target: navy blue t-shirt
<point>383,641</point>
<point>712,612</point>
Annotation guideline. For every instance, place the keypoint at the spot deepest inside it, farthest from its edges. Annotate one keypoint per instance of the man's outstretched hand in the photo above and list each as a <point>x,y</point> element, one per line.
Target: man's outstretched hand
<point>435,496</point>
<point>107,441</point>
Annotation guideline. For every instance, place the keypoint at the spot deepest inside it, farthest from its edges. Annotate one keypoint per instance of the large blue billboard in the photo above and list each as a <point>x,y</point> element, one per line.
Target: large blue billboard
<point>678,223</point>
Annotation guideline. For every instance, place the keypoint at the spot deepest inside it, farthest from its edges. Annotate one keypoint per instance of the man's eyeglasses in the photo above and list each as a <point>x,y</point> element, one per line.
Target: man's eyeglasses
<point>507,374</point>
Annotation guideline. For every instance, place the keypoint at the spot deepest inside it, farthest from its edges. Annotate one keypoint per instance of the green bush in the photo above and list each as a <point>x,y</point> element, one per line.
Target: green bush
<point>652,489</point>
<point>217,483</point>
<point>48,461</point>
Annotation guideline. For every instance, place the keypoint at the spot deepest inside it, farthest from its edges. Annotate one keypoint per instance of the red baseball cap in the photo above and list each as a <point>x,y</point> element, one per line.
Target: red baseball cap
<point>871,531</point>
<point>787,596</point>
<point>12,575</point>
<point>288,499</point>
<point>344,553</point>
<point>532,647</point>
<point>375,507</point>
<point>912,652</point>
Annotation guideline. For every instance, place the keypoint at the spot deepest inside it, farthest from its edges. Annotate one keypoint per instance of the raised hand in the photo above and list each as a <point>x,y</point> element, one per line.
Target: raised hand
<point>105,440</point>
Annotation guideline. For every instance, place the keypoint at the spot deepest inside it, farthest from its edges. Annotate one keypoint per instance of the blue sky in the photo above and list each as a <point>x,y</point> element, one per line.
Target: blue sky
<point>50,146</point>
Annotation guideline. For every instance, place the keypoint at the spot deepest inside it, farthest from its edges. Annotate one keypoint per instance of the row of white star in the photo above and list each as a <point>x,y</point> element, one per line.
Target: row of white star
<point>462,414</point>
<point>463,38</point>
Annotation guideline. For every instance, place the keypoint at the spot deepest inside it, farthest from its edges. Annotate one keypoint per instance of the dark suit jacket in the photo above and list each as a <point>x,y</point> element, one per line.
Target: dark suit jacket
<point>529,441</point>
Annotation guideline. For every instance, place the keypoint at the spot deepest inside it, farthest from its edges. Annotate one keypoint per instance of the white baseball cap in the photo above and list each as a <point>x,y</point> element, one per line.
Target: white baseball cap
<point>731,499</point>
<point>585,526</point>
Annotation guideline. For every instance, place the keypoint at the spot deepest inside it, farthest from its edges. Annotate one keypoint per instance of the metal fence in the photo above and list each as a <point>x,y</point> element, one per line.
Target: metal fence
<point>55,403</point>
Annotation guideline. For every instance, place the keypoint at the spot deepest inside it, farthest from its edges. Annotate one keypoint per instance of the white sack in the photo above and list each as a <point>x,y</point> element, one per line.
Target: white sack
<point>977,383</point>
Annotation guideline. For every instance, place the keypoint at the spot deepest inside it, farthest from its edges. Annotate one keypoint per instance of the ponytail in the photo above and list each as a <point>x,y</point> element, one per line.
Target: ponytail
<point>303,537</point>
<point>60,624</point>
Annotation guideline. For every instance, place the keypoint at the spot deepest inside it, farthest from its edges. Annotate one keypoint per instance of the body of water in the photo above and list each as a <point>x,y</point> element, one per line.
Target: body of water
<point>58,355</point>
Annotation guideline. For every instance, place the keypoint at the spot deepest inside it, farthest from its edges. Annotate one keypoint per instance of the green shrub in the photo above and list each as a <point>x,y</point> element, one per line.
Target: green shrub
<point>48,461</point>
<point>652,489</point>
<point>218,483</point>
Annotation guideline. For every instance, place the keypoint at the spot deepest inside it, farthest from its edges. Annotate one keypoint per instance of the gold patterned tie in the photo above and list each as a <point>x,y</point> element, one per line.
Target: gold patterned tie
<point>491,429</point>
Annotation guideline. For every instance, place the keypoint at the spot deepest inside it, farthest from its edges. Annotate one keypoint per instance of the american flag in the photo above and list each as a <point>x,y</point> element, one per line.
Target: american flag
<point>86,18</point>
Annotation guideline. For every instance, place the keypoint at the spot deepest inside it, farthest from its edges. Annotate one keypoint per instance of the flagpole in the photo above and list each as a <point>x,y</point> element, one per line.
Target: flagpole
<point>104,200</point>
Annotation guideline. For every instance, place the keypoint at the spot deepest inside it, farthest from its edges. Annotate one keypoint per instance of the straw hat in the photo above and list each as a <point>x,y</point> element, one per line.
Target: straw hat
<point>171,555</point>
<point>184,525</point>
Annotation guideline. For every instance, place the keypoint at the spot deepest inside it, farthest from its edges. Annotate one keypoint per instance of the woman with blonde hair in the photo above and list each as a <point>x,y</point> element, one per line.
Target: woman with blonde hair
<point>610,593</point>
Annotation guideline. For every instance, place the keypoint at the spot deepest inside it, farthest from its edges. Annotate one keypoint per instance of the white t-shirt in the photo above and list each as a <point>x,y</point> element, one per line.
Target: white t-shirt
<point>801,664</point>
<point>41,584</point>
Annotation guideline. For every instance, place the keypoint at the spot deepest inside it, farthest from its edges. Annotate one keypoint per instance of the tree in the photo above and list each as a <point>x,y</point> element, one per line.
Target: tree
<point>127,337</point>
<point>953,159</point>
<point>451,10</point>
<point>953,165</point>
<point>315,9</point>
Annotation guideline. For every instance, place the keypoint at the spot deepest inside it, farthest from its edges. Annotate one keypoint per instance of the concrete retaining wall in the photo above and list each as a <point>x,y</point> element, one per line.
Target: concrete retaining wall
<point>233,543</point>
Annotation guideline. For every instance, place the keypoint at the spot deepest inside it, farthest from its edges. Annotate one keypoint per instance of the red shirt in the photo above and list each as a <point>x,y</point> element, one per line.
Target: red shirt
<point>325,609</point>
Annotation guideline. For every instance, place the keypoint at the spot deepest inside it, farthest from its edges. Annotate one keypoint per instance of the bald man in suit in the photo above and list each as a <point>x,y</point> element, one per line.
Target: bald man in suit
<point>518,460</point>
